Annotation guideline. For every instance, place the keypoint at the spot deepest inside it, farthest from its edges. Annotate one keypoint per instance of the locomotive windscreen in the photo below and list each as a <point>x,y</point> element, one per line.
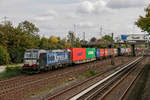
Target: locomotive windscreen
<point>31,54</point>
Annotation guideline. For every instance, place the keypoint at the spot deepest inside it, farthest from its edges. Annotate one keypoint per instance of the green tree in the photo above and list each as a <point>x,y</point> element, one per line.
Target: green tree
<point>44,44</point>
<point>4,56</point>
<point>75,42</point>
<point>68,45</point>
<point>28,27</point>
<point>93,39</point>
<point>105,39</point>
<point>108,38</point>
<point>54,39</point>
<point>6,33</point>
<point>53,42</point>
<point>18,39</point>
<point>144,21</point>
<point>71,38</point>
<point>30,31</point>
<point>62,43</point>
<point>3,40</point>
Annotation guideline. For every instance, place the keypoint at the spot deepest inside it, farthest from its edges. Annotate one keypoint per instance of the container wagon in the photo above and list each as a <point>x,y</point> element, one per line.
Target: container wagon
<point>56,59</point>
<point>102,53</point>
<point>97,54</point>
<point>115,51</point>
<point>106,53</point>
<point>90,54</point>
<point>78,55</point>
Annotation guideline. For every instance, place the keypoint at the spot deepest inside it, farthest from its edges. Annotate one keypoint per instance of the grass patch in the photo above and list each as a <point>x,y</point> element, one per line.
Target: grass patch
<point>99,71</point>
<point>90,73</point>
<point>13,64</point>
<point>11,72</point>
<point>80,77</point>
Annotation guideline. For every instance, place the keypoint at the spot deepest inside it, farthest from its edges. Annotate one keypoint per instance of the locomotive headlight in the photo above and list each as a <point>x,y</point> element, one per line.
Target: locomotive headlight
<point>34,62</point>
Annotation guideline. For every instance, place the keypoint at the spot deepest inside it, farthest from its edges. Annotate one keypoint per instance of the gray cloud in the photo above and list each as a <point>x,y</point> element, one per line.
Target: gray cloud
<point>126,3</point>
<point>92,7</point>
<point>50,15</point>
<point>7,3</point>
<point>57,18</point>
<point>86,25</point>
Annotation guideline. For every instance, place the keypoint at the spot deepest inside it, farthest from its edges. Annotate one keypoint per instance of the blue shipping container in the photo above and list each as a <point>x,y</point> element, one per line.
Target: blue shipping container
<point>57,57</point>
<point>62,57</point>
<point>97,52</point>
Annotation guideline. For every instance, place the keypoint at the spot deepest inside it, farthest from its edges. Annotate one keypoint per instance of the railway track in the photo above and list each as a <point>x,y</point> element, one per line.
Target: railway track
<point>7,86</point>
<point>123,85</point>
<point>79,89</point>
<point>103,88</point>
<point>17,85</point>
<point>26,78</point>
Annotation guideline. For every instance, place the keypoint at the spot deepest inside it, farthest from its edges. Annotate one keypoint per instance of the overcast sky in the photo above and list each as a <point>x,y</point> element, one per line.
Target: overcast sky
<point>57,17</point>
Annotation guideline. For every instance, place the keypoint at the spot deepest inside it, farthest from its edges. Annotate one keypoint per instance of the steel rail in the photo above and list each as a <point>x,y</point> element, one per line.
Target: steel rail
<point>117,83</point>
<point>81,83</point>
<point>94,94</point>
<point>131,84</point>
<point>102,81</point>
<point>21,84</point>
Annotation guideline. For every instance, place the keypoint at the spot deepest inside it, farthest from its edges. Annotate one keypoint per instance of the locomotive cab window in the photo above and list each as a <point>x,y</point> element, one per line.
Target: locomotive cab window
<point>34,54</point>
<point>30,54</point>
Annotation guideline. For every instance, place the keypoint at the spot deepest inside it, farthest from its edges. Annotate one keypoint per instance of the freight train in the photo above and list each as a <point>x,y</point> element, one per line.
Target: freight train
<point>36,60</point>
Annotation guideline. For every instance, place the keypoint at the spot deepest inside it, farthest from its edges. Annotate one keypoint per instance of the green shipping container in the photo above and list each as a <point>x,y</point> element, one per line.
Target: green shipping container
<point>90,53</point>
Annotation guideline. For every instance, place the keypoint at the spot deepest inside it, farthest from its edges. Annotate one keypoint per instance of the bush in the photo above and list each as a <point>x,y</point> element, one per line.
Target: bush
<point>4,56</point>
<point>11,72</point>
<point>13,69</point>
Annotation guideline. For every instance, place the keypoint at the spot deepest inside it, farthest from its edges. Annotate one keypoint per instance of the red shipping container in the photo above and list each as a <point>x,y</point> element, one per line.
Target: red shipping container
<point>112,51</point>
<point>78,54</point>
<point>102,52</point>
<point>106,52</point>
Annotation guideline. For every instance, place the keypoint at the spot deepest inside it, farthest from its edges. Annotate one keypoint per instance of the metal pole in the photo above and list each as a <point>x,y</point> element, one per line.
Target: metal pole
<point>144,43</point>
<point>101,30</point>
<point>5,20</point>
